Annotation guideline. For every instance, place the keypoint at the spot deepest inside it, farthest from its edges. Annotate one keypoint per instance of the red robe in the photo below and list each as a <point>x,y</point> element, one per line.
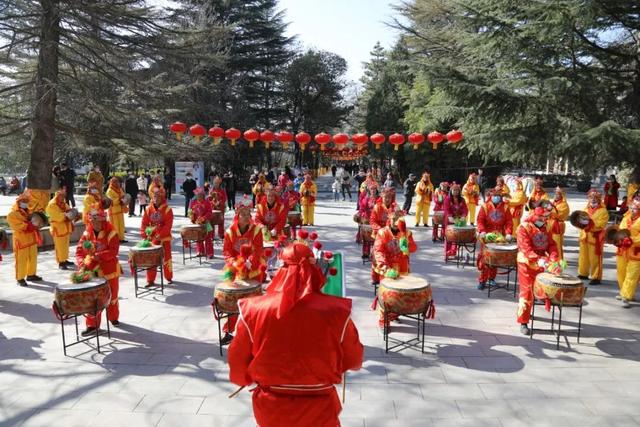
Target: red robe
<point>380,214</point>
<point>492,219</point>
<point>439,198</point>
<point>533,244</point>
<point>456,209</point>
<point>272,217</point>
<point>295,360</point>
<point>161,219</point>
<point>387,253</point>
<point>201,214</point>
<point>611,195</point>
<point>103,258</point>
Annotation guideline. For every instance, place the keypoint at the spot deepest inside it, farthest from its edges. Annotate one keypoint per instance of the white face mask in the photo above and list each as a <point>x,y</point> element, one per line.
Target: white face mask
<point>593,204</point>
<point>24,205</point>
<point>539,224</point>
<point>94,191</point>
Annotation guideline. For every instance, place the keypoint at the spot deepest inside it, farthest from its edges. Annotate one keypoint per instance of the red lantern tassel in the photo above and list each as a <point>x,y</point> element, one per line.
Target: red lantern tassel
<point>374,305</point>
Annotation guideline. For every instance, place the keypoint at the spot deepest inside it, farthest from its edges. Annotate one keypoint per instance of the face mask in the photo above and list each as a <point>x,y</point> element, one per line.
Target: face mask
<point>496,199</point>
<point>539,224</point>
<point>24,205</point>
<point>455,193</point>
<point>94,191</point>
<point>593,204</point>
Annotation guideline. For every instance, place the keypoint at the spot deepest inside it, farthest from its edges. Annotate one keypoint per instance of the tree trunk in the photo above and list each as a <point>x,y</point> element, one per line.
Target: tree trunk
<point>41,163</point>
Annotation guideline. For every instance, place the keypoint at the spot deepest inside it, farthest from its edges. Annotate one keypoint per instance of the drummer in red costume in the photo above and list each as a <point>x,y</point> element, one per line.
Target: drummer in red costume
<point>242,232</point>
<point>455,207</point>
<point>494,217</point>
<point>365,209</point>
<point>291,200</point>
<point>439,197</point>
<point>536,249</point>
<point>272,214</point>
<point>159,217</point>
<point>218,198</point>
<point>295,343</point>
<point>382,210</point>
<point>97,251</point>
<point>200,213</point>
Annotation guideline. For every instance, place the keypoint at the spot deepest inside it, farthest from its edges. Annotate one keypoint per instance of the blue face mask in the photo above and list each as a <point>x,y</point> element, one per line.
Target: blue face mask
<point>496,199</point>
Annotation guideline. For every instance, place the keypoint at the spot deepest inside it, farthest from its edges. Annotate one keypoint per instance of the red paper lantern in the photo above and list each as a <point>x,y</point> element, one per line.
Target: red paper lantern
<point>397,139</point>
<point>252,136</point>
<point>415,139</point>
<point>303,139</point>
<point>179,129</point>
<point>322,139</point>
<point>341,139</point>
<point>216,133</point>
<point>267,137</point>
<point>377,139</point>
<point>197,131</point>
<point>360,139</point>
<point>435,138</point>
<point>233,135</point>
<point>454,136</point>
<point>284,138</point>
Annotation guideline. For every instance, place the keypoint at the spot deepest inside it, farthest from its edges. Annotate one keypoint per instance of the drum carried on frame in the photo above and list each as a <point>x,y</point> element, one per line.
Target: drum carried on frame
<point>194,232</point>
<point>460,234</point>
<point>73,214</point>
<point>501,255</point>
<point>438,217</point>
<point>146,257</point>
<point>561,290</point>
<point>227,294</point>
<point>217,217</point>
<point>39,219</point>
<point>126,199</point>
<point>406,295</point>
<point>82,298</point>
<point>294,219</point>
<point>366,233</point>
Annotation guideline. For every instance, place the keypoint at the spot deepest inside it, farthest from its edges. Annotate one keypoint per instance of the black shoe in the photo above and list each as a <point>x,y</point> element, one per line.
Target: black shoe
<point>63,266</point>
<point>524,329</point>
<point>69,264</point>
<point>150,284</point>
<point>426,225</point>
<point>88,331</point>
<point>594,282</point>
<point>582,277</point>
<point>169,282</point>
<point>34,278</point>
<point>115,322</point>
<point>22,283</point>
<point>226,339</point>
<point>124,241</point>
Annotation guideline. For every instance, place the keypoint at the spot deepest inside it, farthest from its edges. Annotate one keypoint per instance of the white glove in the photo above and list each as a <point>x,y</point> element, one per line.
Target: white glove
<point>542,263</point>
<point>482,235</point>
<point>274,232</point>
<point>508,237</point>
<point>247,265</point>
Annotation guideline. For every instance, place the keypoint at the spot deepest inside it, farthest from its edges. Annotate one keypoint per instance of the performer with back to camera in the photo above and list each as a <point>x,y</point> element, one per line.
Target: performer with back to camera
<point>592,239</point>
<point>308,194</point>
<point>200,213</point>
<point>471,195</point>
<point>61,218</point>
<point>455,208</point>
<point>118,207</point>
<point>158,218</point>
<point>439,197</point>
<point>517,201</point>
<point>628,255</point>
<point>218,198</point>
<point>557,218</point>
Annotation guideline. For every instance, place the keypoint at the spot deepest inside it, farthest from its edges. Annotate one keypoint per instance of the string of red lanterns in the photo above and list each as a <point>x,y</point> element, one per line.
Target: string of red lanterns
<point>303,139</point>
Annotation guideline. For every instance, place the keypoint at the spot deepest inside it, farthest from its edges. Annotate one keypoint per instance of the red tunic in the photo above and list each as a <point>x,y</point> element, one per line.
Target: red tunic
<point>200,211</point>
<point>104,255</point>
<point>439,197</point>
<point>218,199</point>
<point>233,241</point>
<point>387,253</point>
<point>290,199</point>
<point>272,217</point>
<point>380,214</point>
<point>161,219</point>
<point>496,219</point>
<point>455,209</point>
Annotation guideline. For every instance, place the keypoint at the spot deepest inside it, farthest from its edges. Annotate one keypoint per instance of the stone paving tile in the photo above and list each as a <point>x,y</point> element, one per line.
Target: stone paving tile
<point>71,418</point>
<point>185,420</point>
<point>123,401</point>
<point>390,392</point>
<point>613,406</point>
<point>169,404</point>
<point>486,408</point>
<point>360,409</point>
<point>374,422</point>
<point>467,422</point>
<point>511,391</point>
<point>113,418</point>
<point>578,420</point>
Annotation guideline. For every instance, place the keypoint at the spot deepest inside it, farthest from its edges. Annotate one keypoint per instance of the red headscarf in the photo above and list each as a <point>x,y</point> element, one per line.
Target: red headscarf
<point>298,277</point>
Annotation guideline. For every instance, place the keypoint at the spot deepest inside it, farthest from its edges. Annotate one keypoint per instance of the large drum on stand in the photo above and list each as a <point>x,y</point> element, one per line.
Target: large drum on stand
<point>217,217</point>
<point>460,234</point>
<point>227,294</point>
<point>82,298</point>
<point>406,295</point>
<point>146,257</point>
<point>194,232</point>
<point>294,219</point>
<point>560,290</point>
<point>501,255</point>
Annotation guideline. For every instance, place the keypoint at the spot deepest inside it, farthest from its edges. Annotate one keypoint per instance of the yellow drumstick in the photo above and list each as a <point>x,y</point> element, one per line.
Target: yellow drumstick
<point>344,386</point>
<point>235,393</point>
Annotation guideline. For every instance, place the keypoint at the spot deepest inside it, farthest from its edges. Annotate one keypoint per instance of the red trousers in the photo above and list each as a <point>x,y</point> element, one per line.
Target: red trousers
<point>113,310</point>
<point>220,231</point>
<point>486,272</point>
<point>206,247</point>
<point>167,266</point>
<point>230,326</point>
<point>286,410</point>
<point>450,248</point>
<point>437,232</point>
<point>526,278</point>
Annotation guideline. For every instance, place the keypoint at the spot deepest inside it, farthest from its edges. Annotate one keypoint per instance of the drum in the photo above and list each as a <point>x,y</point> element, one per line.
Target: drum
<point>405,295</point>
<point>73,214</point>
<point>564,289</point>
<point>356,218</point>
<point>460,234</point>
<point>438,217</point>
<point>146,257</point>
<point>286,230</point>
<point>39,219</point>
<point>228,293</point>
<point>82,298</point>
<point>217,217</point>
<point>366,233</point>
<point>193,232</point>
<point>126,199</point>
<point>500,255</point>
<point>106,202</point>
<point>294,219</point>
<point>579,219</point>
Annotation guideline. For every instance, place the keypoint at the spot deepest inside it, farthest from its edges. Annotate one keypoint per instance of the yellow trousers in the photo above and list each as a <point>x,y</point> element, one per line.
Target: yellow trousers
<point>628,276</point>
<point>516,224</point>
<point>117,220</point>
<point>307,214</point>
<point>589,264</point>
<point>559,239</point>
<point>61,244</point>
<point>422,209</point>
<point>472,213</point>
<point>26,261</point>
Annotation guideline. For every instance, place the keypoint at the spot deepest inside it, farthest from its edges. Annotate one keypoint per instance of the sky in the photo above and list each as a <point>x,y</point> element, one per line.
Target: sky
<point>349,28</point>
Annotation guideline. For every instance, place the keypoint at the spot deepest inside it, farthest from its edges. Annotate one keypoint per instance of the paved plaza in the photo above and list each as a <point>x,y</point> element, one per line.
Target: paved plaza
<point>162,366</point>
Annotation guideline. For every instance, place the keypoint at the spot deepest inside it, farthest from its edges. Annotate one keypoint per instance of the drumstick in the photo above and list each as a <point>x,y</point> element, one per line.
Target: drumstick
<point>344,386</point>
<point>235,393</point>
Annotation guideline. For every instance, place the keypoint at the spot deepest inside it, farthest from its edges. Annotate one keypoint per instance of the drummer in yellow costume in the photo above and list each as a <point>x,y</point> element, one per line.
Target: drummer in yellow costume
<point>556,223</point>
<point>628,255</point>
<point>517,201</point>
<point>92,198</point>
<point>424,191</point>
<point>308,193</point>
<point>592,239</point>
<point>118,207</point>
<point>25,240</point>
<point>96,176</point>
<point>505,192</point>
<point>61,219</point>
<point>471,196</point>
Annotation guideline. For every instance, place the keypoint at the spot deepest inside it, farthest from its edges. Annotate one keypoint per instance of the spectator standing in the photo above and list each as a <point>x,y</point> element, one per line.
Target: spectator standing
<point>334,169</point>
<point>298,182</point>
<point>253,180</point>
<point>23,182</point>
<point>68,181</point>
<point>409,187</point>
<point>143,182</point>
<point>346,183</point>
<point>482,183</point>
<point>131,188</point>
<point>335,187</point>
<point>55,180</point>
<point>168,182</point>
<point>230,185</point>
<point>389,182</point>
<point>189,187</point>
<point>14,185</point>
<point>143,201</point>
<point>3,186</point>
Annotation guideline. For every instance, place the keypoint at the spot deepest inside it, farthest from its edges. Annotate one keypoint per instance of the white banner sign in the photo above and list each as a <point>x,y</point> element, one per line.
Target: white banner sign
<point>195,168</point>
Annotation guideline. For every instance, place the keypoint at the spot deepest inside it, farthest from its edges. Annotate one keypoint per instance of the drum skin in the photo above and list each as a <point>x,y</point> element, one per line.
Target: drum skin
<point>126,199</point>
<point>82,298</point>
<point>228,293</point>
<point>193,232</point>
<point>294,219</point>
<point>39,219</point>
<point>366,233</point>
<point>217,217</point>
<point>563,289</point>
<point>497,255</point>
<point>146,257</point>
<point>438,217</point>
<point>406,295</point>
<point>356,218</point>
<point>465,234</point>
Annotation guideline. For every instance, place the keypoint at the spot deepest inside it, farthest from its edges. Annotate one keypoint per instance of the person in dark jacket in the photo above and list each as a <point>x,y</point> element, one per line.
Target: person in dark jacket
<point>131,188</point>
<point>409,188</point>
<point>189,187</point>
<point>230,185</point>
<point>168,182</point>
<point>67,180</point>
